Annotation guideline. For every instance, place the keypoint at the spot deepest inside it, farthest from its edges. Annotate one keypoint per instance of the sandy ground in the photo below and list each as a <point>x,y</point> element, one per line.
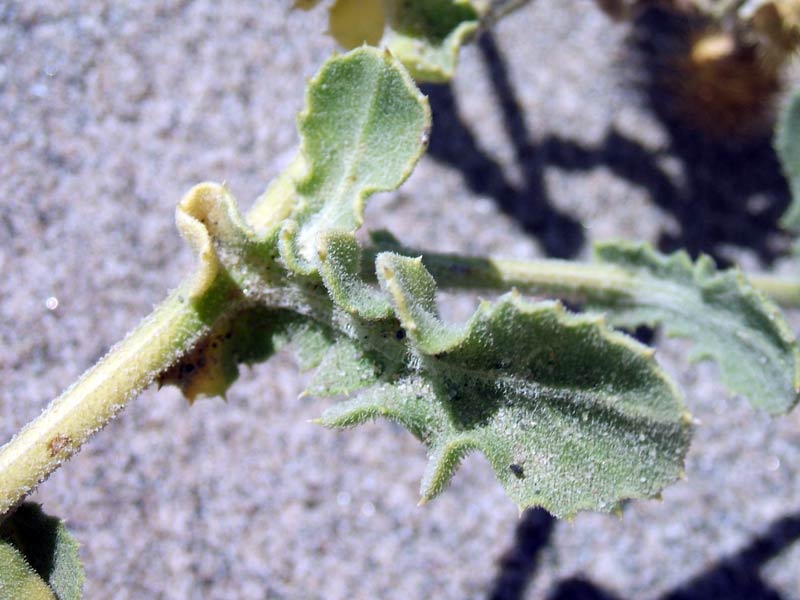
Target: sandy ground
<point>109,111</point>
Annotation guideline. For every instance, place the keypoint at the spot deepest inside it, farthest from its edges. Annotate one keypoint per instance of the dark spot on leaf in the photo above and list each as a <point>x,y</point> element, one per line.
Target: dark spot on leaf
<point>517,470</point>
<point>401,334</point>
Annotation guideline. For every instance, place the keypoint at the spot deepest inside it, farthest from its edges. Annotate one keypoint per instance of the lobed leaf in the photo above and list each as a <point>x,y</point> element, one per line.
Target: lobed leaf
<point>340,260</point>
<point>427,35</point>
<point>570,414</point>
<point>38,557</point>
<point>364,128</point>
<point>720,311</point>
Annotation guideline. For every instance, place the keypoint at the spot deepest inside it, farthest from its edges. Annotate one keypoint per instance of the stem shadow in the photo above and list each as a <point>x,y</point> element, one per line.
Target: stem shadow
<point>453,142</point>
<point>729,191</point>
<point>735,577</point>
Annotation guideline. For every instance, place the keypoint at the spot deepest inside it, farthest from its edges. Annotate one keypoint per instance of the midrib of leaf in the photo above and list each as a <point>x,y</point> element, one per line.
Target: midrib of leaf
<point>347,184</point>
<point>548,393</point>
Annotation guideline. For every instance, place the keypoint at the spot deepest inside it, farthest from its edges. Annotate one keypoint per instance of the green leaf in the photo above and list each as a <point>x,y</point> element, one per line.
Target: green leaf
<point>38,557</point>
<point>347,367</point>
<point>570,414</point>
<point>340,267</point>
<point>427,35</point>
<point>787,144</point>
<point>364,128</point>
<point>726,317</point>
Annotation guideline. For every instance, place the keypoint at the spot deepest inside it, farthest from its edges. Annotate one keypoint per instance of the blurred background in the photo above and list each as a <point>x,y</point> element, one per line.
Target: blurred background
<point>561,128</point>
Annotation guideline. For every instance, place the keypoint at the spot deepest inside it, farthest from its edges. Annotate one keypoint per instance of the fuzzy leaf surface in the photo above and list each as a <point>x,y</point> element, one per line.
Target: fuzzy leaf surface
<point>787,144</point>
<point>720,311</point>
<point>570,414</point>
<point>363,130</point>
<point>38,557</point>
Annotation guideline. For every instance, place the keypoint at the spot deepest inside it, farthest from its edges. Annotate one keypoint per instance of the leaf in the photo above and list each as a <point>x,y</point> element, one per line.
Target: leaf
<point>427,35</point>
<point>340,260</point>
<point>346,368</point>
<point>570,414</point>
<point>726,317</point>
<point>787,144</point>
<point>38,557</point>
<point>364,128</point>
<point>18,579</point>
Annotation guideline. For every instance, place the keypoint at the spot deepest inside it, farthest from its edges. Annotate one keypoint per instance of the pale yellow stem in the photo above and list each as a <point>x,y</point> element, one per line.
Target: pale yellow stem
<point>90,403</point>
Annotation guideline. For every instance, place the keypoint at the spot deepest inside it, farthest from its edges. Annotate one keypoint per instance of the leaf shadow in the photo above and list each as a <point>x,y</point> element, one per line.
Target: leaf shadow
<point>728,193</point>
<point>453,142</point>
<point>518,563</point>
<point>35,535</point>
<point>734,577</point>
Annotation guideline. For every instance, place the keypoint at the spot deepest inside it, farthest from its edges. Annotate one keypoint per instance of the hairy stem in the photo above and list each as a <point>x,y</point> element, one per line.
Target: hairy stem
<point>89,404</point>
<point>577,282</point>
<point>784,292</point>
<point>573,281</point>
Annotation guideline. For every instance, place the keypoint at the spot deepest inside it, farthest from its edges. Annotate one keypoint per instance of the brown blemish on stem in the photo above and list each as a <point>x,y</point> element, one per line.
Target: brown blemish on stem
<point>58,444</point>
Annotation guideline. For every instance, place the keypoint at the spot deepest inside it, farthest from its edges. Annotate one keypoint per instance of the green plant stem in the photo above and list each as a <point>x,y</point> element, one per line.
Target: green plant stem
<point>88,405</point>
<point>577,282</point>
<point>572,281</point>
<point>784,292</point>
